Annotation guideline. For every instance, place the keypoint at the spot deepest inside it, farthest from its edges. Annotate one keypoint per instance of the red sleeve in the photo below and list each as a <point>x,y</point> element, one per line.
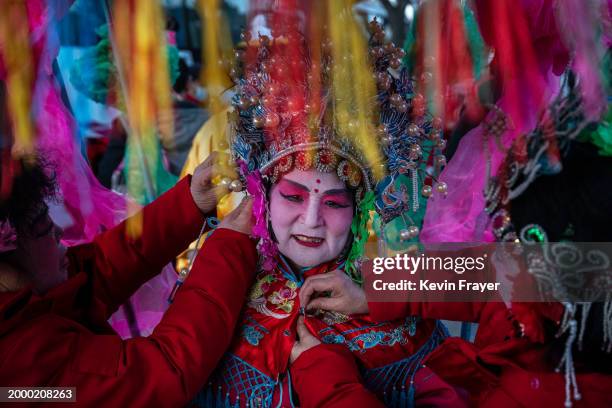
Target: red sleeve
<point>327,376</point>
<point>119,265</point>
<point>462,311</point>
<point>450,310</point>
<point>170,366</point>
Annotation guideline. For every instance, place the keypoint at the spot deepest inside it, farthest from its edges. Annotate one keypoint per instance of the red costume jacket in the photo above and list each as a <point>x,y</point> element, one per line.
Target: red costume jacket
<point>63,339</point>
<point>509,363</point>
<point>255,372</point>
<point>327,376</point>
<point>500,369</point>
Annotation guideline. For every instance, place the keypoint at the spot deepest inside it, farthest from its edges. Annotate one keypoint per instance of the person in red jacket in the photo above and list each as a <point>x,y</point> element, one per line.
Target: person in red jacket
<point>54,303</point>
<point>507,365</point>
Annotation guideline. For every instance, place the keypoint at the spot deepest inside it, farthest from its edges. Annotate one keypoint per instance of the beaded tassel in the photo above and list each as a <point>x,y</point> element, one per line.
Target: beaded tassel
<point>607,325</point>
<point>185,272</point>
<point>569,322</point>
<point>586,307</point>
<point>415,190</point>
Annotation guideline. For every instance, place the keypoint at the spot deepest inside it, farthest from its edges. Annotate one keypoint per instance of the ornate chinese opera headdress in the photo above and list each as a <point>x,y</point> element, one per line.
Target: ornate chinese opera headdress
<point>565,140</point>
<point>539,153</point>
<point>287,117</point>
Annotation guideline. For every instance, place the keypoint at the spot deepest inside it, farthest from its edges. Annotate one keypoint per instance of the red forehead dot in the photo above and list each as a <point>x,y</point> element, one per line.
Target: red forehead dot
<point>318,181</point>
<point>316,190</point>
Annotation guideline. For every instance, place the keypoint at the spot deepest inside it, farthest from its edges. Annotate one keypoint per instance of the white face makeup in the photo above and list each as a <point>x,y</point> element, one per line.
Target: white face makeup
<point>311,214</point>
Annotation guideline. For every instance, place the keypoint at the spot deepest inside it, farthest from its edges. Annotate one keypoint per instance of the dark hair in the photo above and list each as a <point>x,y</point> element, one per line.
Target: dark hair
<point>172,24</point>
<point>574,204</point>
<point>27,183</point>
<point>180,85</point>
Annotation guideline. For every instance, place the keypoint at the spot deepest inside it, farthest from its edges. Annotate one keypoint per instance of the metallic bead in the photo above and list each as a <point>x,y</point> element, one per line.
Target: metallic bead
<point>258,121</point>
<point>236,186</point>
<point>225,182</point>
<point>272,120</point>
<point>396,99</point>
<point>384,80</point>
<point>402,107</point>
<point>352,125</point>
<point>377,52</point>
<point>386,140</point>
<point>381,130</point>
<point>441,144</point>
<point>386,83</point>
<point>415,150</point>
<point>395,63</point>
<point>413,230</point>
<point>273,89</point>
<point>440,160</point>
<point>405,235</point>
<point>426,191</point>
<point>436,123</point>
<point>441,187</point>
<point>413,129</point>
<point>267,100</point>
<point>242,103</point>
<point>418,99</point>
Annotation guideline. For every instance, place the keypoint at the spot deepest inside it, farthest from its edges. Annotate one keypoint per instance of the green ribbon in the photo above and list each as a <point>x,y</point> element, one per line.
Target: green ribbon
<point>359,228</point>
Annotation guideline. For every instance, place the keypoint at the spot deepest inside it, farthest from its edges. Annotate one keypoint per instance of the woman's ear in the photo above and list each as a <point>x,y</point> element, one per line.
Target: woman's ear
<point>11,278</point>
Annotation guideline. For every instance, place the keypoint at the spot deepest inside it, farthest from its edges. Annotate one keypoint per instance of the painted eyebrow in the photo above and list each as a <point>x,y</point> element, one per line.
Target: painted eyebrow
<point>335,191</point>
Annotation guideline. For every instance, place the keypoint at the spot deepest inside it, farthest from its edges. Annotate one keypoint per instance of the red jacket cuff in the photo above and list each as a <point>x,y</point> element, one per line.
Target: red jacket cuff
<point>327,375</point>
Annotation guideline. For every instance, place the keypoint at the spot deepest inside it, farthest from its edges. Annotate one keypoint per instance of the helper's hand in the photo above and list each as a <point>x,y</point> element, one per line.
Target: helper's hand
<point>241,218</point>
<point>204,192</point>
<point>304,342</point>
<point>345,296</point>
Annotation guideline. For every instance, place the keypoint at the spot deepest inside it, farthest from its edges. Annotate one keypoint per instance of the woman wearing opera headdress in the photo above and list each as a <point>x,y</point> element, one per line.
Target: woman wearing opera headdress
<point>313,192</point>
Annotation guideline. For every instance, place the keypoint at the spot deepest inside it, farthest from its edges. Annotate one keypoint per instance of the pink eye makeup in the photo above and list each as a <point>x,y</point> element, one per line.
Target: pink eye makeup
<point>291,192</point>
<point>337,200</point>
<point>297,193</point>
